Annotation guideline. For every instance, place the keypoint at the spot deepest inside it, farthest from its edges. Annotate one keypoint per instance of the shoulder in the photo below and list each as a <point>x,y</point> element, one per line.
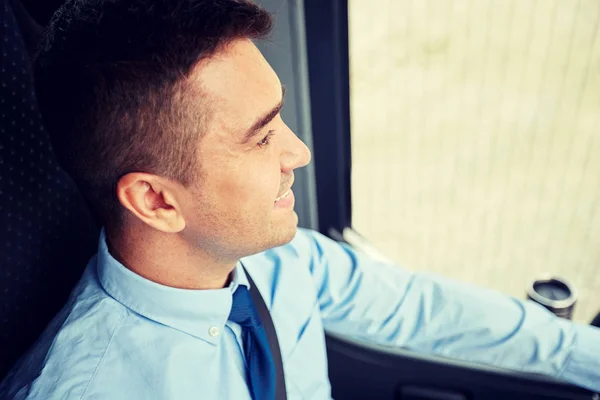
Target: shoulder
<point>306,245</point>
<point>65,359</point>
<point>294,258</point>
<point>309,254</point>
<point>314,251</point>
<point>296,266</point>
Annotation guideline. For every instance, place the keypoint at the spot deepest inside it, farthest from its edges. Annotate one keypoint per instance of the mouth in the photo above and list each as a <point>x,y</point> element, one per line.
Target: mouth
<point>283,196</point>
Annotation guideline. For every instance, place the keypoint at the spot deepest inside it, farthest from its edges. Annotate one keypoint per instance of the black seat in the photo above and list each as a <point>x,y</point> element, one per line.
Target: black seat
<point>46,232</point>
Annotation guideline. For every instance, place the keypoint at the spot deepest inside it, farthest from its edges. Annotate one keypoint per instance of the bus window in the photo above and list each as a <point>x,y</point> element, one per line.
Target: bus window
<point>475,148</point>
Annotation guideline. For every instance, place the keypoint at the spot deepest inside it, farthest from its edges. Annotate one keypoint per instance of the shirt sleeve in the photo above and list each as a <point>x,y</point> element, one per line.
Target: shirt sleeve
<point>386,304</point>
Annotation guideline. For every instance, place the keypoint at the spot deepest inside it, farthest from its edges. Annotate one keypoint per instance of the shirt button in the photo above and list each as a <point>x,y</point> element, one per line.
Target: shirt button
<point>213,331</point>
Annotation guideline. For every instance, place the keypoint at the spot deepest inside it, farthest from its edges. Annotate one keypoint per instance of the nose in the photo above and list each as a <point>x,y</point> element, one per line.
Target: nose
<point>295,153</point>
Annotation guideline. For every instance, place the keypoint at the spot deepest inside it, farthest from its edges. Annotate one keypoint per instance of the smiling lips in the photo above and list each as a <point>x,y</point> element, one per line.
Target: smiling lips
<point>286,194</point>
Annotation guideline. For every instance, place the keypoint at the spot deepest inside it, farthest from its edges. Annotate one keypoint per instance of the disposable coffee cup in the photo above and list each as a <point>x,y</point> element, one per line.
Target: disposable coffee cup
<point>555,294</point>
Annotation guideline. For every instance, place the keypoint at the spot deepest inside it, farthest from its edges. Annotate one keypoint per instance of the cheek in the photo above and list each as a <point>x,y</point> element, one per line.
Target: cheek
<point>251,185</point>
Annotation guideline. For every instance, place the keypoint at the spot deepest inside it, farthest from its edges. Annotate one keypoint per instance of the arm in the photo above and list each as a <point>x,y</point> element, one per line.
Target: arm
<point>429,314</point>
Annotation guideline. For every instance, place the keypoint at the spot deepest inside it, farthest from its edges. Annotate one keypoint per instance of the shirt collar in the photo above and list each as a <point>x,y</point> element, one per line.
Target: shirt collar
<point>195,312</point>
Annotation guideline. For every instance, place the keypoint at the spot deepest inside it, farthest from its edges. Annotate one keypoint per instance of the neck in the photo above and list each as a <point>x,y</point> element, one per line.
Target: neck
<point>167,259</point>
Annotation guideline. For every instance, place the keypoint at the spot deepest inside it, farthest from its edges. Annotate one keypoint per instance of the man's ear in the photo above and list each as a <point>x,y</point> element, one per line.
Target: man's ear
<point>153,200</point>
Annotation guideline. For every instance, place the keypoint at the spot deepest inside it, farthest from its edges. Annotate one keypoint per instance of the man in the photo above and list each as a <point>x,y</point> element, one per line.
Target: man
<point>167,117</point>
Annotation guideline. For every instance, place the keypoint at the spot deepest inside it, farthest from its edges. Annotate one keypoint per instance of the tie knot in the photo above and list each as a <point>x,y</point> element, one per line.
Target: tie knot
<point>243,311</point>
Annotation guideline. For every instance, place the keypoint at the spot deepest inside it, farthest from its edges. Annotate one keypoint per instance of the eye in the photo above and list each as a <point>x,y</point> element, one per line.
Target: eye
<point>266,140</point>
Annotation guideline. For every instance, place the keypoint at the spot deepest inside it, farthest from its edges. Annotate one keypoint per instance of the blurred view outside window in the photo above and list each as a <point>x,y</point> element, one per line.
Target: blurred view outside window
<point>476,139</point>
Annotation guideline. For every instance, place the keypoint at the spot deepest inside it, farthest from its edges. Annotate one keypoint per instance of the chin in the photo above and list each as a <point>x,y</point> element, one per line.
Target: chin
<point>284,233</point>
<point>289,236</point>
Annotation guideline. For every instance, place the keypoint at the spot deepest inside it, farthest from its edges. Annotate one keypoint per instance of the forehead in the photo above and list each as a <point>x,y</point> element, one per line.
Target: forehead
<point>239,85</point>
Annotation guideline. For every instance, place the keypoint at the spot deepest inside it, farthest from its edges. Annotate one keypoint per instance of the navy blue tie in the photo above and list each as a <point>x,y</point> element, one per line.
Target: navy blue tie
<point>261,369</point>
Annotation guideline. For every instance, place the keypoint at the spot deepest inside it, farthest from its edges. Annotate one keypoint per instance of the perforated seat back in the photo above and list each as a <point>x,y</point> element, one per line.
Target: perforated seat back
<point>46,232</point>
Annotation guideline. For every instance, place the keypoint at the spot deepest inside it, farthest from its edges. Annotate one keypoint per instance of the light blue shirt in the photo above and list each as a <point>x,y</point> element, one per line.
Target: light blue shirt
<point>121,336</point>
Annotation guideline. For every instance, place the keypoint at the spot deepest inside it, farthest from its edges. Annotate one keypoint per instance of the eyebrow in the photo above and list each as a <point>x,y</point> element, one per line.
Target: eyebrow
<point>265,119</point>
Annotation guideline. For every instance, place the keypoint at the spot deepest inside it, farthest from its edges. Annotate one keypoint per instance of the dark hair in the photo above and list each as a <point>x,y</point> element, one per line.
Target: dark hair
<point>110,80</point>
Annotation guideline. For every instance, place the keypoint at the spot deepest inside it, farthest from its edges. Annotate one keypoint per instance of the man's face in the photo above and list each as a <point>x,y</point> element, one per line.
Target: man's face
<point>246,159</point>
